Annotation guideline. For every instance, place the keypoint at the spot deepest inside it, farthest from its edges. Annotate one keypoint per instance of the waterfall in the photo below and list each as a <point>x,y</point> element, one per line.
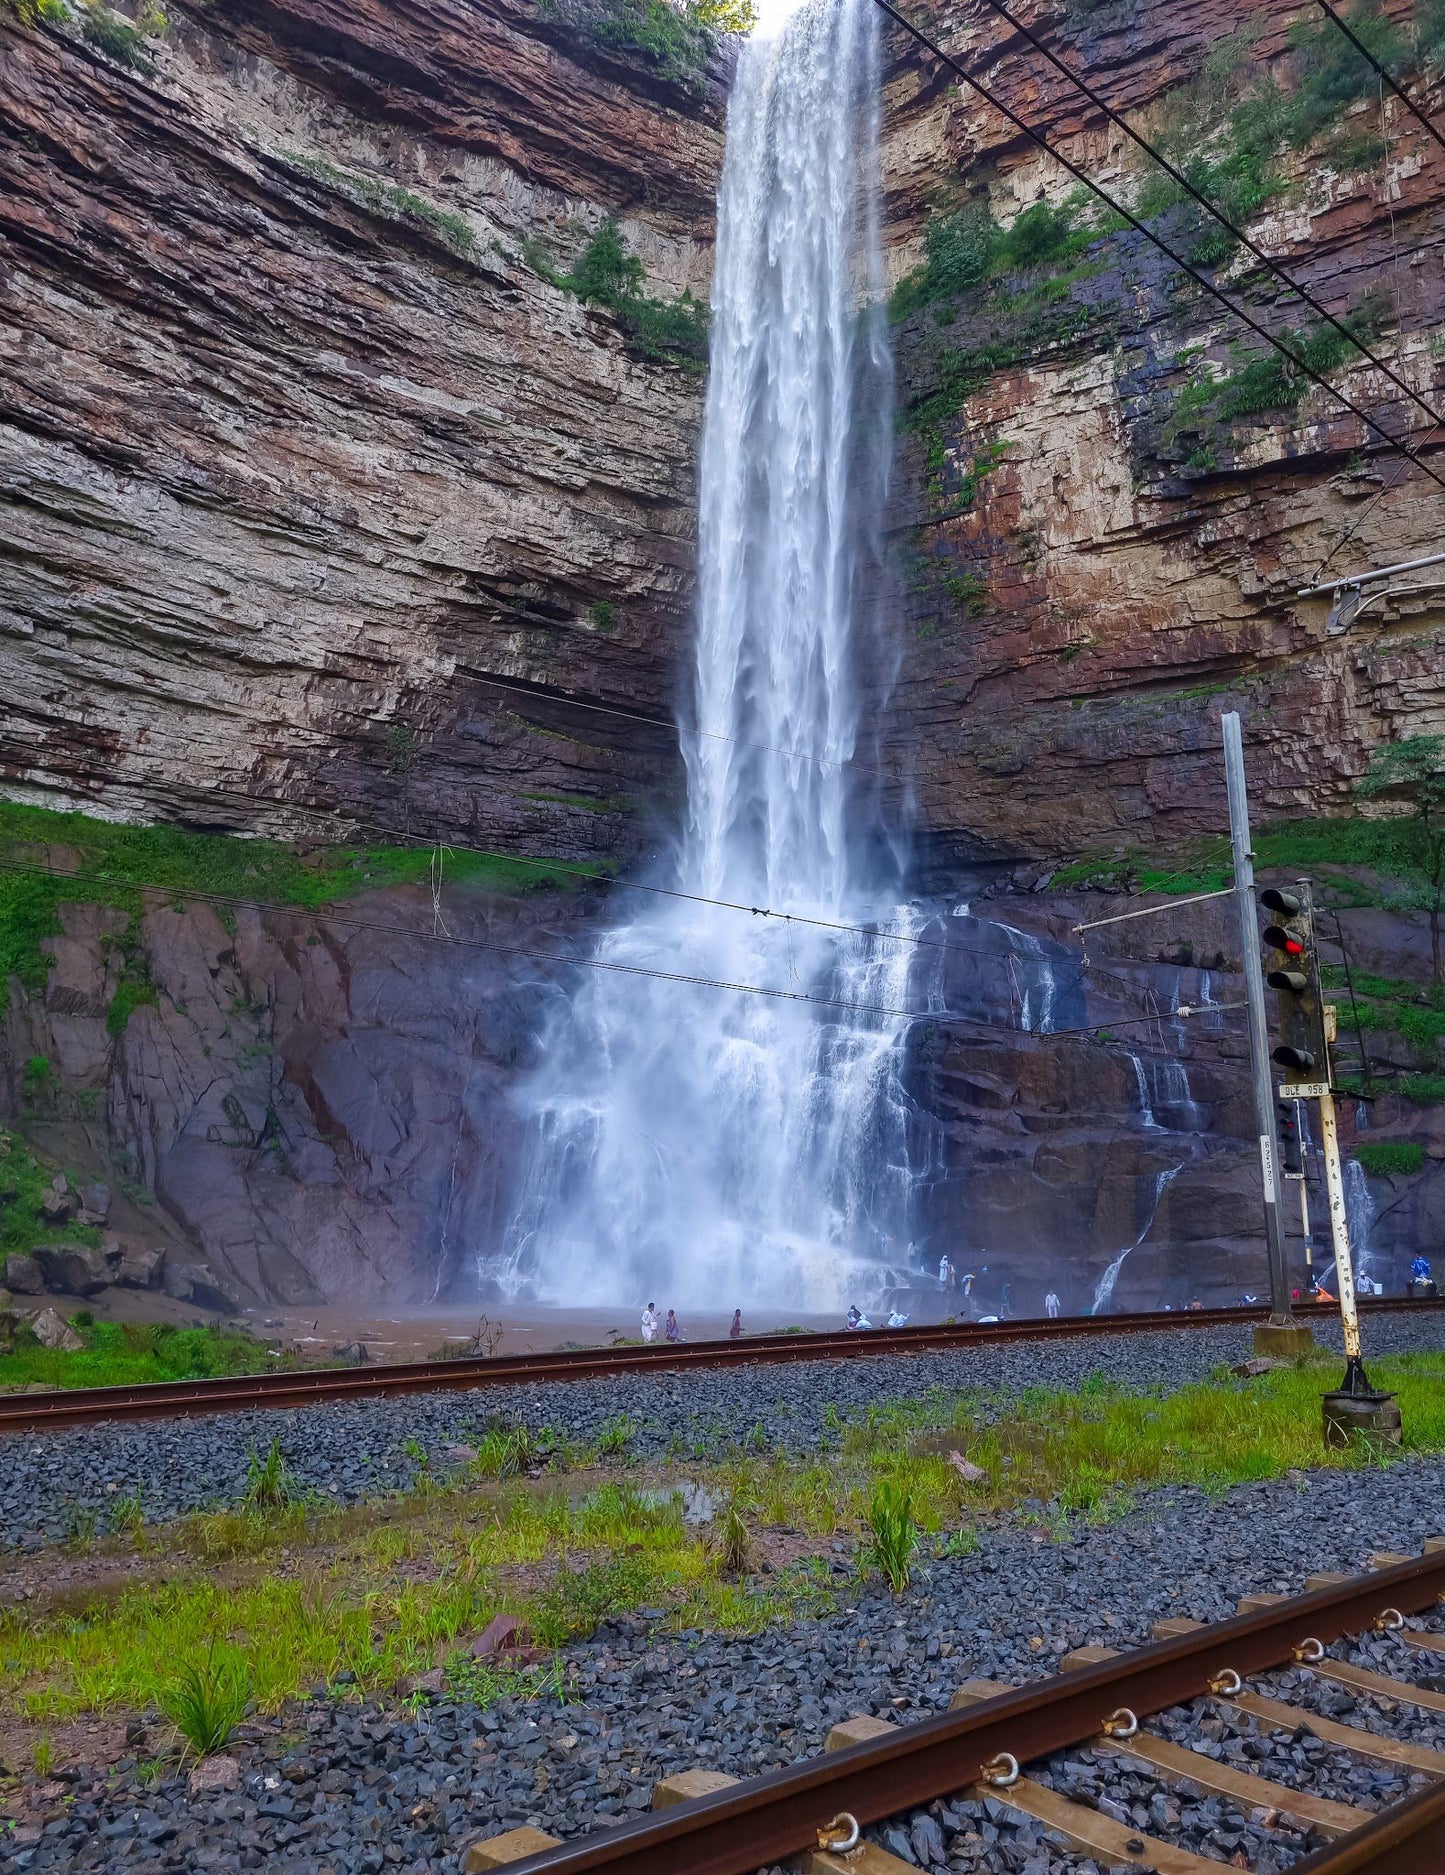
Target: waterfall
<point>1109,1281</point>
<point>1142,1092</point>
<point>1360,1221</point>
<point>1161,1088</point>
<point>698,1146</point>
<point>1033,977</point>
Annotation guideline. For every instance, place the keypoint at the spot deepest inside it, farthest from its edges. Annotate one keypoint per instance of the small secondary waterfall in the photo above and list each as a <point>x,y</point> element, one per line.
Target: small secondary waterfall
<point>1109,1281</point>
<point>1161,1086</point>
<point>1360,1220</point>
<point>688,1144</point>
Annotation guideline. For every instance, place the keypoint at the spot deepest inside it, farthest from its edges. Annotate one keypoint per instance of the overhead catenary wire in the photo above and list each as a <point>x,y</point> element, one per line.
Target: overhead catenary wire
<point>1182,181</point>
<point>1369,508</point>
<point>429,843</point>
<point>315,914</point>
<point>1081,175</point>
<point>676,729</point>
<point>1365,53</point>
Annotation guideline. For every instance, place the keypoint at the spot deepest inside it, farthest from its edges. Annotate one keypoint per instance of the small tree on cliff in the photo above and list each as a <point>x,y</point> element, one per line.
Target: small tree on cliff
<point>1413,771</point>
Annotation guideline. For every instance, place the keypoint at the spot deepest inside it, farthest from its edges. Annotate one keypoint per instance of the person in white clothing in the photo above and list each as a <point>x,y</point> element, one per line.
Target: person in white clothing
<point>1052,1305</point>
<point>944,1272</point>
<point>649,1321</point>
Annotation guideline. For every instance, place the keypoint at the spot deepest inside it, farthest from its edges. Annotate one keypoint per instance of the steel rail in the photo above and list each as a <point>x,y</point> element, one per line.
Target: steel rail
<point>770,1818</point>
<point>78,1406</point>
<point>1406,1839</point>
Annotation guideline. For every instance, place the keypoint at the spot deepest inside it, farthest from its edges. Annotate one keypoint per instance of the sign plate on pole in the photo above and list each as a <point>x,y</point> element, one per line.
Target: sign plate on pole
<point>1304,1090</point>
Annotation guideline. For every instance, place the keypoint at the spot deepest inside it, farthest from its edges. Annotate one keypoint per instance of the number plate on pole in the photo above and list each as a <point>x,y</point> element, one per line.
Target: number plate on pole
<point>1304,1090</point>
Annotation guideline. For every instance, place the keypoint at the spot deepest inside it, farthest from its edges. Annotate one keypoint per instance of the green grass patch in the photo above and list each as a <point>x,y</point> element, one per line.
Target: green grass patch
<point>1425,1090</point>
<point>24,1182</point>
<point>388,200</point>
<point>970,249</point>
<point>1390,1157</point>
<point>115,858</point>
<point>127,1353</point>
<point>1393,847</point>
<point>385,1591</point>
<point>1262,382</point>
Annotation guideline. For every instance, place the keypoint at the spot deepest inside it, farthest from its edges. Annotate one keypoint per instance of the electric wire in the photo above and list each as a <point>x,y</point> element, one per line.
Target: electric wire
<point>429,843</point>
<point>1365,53</point>
<point>324,915</point>
<point>1349,533</point>
<point>422,842</point>
<point>1125,214</point>
<point>1178,177</point>
<point>676,729</point>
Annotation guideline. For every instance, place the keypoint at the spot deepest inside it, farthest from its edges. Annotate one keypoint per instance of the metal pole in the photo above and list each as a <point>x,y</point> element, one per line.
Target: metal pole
<point>1354,1381</point>
<point>1304,1218</point>
<point>1249,942</point>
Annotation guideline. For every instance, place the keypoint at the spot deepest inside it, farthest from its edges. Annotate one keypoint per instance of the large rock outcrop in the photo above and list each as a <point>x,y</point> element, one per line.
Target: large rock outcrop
<point>1094,558</point>
<point>301,445</point>
<point>317,1103</point>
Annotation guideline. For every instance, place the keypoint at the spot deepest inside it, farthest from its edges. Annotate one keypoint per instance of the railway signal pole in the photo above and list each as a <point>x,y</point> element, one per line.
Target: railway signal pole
<point>1282,1334</point>
<point>1303,1057</point>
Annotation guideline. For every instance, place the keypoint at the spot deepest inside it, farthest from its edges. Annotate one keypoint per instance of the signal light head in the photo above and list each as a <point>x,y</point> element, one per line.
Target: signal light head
<point>1293,980</point>
<point>1287,902</point>
<point>1279,937</point>
<point>1300,1059</point>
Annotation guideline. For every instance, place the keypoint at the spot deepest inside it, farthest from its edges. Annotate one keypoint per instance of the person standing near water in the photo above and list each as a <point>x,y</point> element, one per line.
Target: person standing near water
<point>672,1331</point>
<point>735,1328</point>
<point>649,1321</point>
<point>1051,1306</point>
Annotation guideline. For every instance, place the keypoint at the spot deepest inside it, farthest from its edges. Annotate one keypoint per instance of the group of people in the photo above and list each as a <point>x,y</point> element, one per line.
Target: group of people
<point>948,1281</point>
<point>670,1329</point>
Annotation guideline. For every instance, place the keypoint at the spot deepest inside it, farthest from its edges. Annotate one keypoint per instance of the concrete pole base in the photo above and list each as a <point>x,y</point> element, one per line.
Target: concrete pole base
<point>1374,1414</point>
<point>1283,1341</point>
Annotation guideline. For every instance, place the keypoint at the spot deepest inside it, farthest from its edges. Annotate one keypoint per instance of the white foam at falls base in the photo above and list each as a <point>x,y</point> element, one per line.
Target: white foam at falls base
<point>691,1145</point>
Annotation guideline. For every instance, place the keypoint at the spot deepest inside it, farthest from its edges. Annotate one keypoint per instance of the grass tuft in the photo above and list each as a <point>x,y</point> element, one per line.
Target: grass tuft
<point>268,1482</point>
<point>208,1701</point>
<point>895,1535</point>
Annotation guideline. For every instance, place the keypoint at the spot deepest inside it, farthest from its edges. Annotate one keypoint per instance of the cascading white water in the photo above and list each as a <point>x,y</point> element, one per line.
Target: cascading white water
<point>687,1144</point>
<point>1109,1281</point>
<point>1360,1222</point>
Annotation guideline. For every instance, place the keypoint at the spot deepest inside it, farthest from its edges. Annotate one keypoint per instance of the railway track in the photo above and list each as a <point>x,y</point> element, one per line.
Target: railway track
<point>812,1813</point>
<point>79,1406</point>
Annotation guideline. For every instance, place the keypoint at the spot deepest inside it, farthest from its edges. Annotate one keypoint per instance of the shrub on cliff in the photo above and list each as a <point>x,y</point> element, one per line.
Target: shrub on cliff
<point>111,33</point>
<point>671,331</point>
<point>675,38</point>
<point>1385,1157</point>
<point>38,12</point>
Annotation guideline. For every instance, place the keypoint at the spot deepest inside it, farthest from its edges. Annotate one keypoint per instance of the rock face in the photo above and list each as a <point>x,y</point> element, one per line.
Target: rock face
<point>1095,561</point>
<point>300,446</point>
<point>319,496</point>
<point>319,1105</point>
<point>1049,1159</point>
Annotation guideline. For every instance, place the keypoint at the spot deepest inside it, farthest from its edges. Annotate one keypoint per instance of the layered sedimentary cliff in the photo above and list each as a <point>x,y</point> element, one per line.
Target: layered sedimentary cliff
<point>307,447</point>
<point>1109,492</point>
<point>302,443</point>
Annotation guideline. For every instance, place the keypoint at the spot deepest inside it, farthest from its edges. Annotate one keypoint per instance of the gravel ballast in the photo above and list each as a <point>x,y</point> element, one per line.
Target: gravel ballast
<point>56,1485</point>
<point>341,1787</point>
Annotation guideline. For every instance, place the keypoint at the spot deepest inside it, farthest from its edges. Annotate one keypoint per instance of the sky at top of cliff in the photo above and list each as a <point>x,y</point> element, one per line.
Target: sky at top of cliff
<point>773,16</point>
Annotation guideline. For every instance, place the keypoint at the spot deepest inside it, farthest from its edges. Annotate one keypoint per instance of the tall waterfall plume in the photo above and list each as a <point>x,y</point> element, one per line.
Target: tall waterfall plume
<point>698,1146</point>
